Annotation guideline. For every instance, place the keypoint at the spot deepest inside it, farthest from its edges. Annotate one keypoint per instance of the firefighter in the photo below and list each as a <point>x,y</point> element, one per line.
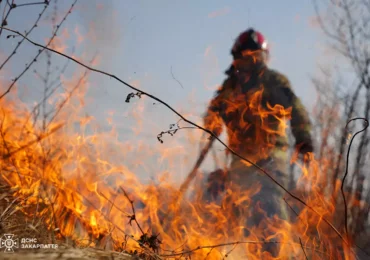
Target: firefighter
<point>252,104</point>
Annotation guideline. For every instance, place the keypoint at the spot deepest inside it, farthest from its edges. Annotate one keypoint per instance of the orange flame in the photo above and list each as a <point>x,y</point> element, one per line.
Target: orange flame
<point>77,175</point>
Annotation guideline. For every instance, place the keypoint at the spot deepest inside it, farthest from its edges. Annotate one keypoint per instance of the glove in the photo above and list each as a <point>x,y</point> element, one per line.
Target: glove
<point>216,183</point>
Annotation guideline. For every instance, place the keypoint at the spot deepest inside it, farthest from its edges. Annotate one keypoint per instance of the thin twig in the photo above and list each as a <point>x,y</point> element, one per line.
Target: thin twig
<point>8,149</point>
<point>4,21</point>
<point>133,216</point>
<point>295,212</point>
<point>38,139</point>
<point>304,252</point>
<point>39,52</point>
<point>153,254</point>
<point>210,251</point>
<point>229,252</point>
<point>36,107</point>
<point>113,205</point>
<point>46,2</point>
<point>173,76</point>
<point>346,172</point>
<point>8,208</point>
<point>70,93</point>
<point>21,41</point>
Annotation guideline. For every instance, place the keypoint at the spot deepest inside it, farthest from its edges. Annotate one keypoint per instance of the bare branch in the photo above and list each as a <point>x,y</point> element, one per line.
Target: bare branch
<point>46,2</point>
<point>366,125</point>
<point>304,252</point>
<point>38,139</point>
<point>133,216</point>
<point>39,52</point>
<point>4,21</point>
<point>27,33</point>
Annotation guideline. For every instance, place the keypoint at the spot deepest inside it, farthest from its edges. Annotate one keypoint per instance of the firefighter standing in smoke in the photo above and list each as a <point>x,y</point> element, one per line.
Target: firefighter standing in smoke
<point>251,87</point>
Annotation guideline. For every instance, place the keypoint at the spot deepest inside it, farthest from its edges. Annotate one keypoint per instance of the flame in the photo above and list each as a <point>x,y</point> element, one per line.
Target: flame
<point>262,137</point>
<point>81,176</point>
<point>83,188</point>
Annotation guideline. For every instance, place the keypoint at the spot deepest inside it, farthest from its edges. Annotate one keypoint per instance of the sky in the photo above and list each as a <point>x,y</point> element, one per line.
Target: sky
<point>194,38</point>
<point>151,42</point>
<point>175,50</point>
<point>191,41</point>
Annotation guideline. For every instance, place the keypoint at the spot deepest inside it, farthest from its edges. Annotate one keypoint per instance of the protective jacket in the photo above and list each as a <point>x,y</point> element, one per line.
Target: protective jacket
<point>255,104</point>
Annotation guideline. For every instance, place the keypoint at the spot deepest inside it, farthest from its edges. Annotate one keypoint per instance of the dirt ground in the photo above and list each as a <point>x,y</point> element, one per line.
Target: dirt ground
<point>64,254</point>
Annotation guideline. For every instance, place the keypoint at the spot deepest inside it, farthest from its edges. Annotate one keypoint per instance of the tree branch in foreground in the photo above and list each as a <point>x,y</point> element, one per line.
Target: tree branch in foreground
<point>27,33</point>
<point>366,125</point>
<point>28,66</point>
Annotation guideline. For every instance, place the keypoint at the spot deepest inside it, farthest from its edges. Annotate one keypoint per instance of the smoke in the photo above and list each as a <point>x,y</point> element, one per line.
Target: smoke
<point>99,20</point>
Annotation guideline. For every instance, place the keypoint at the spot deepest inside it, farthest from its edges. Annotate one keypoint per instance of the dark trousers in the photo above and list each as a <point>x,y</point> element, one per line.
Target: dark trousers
<point>265,197</point>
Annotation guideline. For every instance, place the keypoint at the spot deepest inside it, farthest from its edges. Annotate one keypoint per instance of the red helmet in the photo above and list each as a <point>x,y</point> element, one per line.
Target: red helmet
<point>249,40</point>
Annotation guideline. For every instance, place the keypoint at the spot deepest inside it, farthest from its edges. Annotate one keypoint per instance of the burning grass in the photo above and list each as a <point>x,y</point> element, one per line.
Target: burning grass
<point>66,179</point>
